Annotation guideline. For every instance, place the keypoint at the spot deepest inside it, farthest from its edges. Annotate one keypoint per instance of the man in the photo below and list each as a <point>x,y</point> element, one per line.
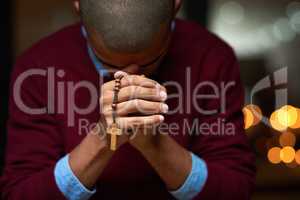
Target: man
<point>49,154</point>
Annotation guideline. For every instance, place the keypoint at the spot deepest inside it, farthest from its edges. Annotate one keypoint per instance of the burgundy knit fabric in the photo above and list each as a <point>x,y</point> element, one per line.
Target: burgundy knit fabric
<point>36,142</point>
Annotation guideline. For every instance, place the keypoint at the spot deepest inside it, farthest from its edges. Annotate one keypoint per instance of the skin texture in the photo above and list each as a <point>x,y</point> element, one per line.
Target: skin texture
<point>126,25</point>
<point>167,157</point>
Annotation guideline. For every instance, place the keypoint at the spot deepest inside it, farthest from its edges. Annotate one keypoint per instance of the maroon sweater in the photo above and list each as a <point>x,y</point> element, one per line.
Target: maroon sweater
<point>36,142</point>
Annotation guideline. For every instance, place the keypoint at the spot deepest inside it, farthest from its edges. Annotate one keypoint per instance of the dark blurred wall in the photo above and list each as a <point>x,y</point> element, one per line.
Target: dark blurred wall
<point>5,66</point>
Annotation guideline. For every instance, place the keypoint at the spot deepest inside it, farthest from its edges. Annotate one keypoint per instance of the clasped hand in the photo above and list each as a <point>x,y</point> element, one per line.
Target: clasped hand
<point>141,103</point>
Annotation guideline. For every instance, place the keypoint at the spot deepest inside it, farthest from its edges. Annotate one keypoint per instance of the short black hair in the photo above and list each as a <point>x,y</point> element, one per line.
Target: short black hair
<point>127,25</point>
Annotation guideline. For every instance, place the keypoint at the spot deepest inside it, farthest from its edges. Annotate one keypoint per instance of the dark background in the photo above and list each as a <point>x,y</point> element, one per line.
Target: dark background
<point>257,31</point>
<point>5,65</point>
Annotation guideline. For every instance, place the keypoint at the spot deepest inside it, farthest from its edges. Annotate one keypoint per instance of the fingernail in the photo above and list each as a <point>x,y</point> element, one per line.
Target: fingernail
<point>161,118</point>
<point>163,95</point>
<point>165,108</point>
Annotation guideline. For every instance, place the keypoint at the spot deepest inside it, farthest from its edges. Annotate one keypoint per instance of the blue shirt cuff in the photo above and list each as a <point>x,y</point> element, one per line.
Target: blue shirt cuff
<point>68,183</point>
<point>195,181</point>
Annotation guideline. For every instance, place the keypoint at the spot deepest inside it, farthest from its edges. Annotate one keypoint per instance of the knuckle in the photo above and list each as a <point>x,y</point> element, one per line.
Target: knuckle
<point>132,91</point>
<point>149,106</point>
<point>153,92</point>
<point>135,79</point>
<point>158,107</point>
<point>127,80</point>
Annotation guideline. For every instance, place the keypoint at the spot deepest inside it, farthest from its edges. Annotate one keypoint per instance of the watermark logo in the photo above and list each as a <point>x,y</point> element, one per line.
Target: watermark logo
<point>278,80</point>
<point>189,97</point>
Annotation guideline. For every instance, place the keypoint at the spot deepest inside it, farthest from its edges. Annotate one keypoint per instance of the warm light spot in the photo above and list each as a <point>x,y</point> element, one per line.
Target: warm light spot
<point>287,116</point>
<point>256,113</point>
<point>287,139</point>
<point>274,155</point>
<point>287,154</point>
<point>296,125</point>
<point>275,124</point>
<point>297,157</point>
<point>248,118</point>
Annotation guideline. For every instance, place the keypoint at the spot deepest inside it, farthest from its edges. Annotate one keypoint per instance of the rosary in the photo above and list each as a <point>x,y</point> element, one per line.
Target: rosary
<point>114,129</point>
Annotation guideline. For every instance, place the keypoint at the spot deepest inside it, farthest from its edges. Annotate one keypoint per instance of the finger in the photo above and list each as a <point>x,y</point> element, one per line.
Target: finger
<point>137,92</point>
<point>106,98</point>
<point>132,80</point>
<point>120,74</point>
<point>133,122</point>
<point>134,92</point>
<point>137,80</point>
<point>141,106</point>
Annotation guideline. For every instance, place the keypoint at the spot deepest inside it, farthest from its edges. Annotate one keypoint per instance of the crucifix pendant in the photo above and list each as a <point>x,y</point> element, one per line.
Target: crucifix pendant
<point>114,131</point>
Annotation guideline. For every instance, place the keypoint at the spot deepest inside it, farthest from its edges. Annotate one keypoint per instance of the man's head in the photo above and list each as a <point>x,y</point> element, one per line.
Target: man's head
<point>124,32</point>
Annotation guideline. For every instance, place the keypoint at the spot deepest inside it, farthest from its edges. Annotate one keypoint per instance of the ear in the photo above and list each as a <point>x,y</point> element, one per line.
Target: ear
<point>76,6</point>
<point>178,4</point>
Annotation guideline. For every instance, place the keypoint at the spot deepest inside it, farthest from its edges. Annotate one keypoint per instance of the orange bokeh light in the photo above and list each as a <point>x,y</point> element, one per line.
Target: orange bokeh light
<point>274,122</point>
<point>287,116</point>
<point>296,125</point>
<point>287,139</point>
<point>274,155</point>
<point>248,118</point>
<point>297,157</point>
<point>287,154</point>
<point>256,113</point>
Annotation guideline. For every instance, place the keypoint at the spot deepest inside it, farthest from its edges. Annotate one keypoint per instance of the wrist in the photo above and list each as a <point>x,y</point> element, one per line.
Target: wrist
<point>89,158</point>
<point>98,141</point>
<point>152,147</point>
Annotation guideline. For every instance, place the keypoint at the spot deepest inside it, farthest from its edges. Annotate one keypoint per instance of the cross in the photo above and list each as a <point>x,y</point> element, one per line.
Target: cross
<point>114,131</point>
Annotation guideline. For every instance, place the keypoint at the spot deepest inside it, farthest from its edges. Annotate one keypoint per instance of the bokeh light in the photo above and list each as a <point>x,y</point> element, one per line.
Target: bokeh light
<point>248,118</point>
<point>256,112</point>
<point>295,22</point>
<point>232,13</point>
<point>296,125</point>
<point>297,157</point>
<point>274,122</point>
<point>287,116</point>
<point>252,115</point>
<point>274,155</point>
<point>292,8</point>
<point>283,31</point>
<point>293,12</point>
<point>287,139</point>
<point>287,154</point>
